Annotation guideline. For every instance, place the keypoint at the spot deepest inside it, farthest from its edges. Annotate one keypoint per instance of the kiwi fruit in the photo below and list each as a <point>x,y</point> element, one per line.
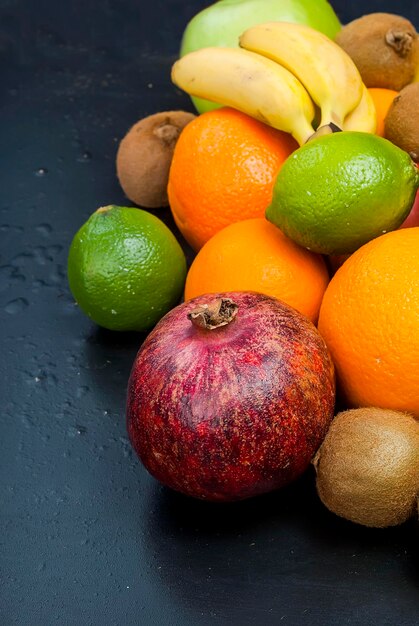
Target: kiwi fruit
<point>144,156</point>
<point>401,124</point>
<point>368,467</point>
<point>384,47</point>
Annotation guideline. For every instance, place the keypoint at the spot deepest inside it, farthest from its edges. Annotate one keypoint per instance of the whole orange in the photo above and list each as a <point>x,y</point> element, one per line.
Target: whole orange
<point>223,170</point>
<point>369,319</point>
<point>382,101</point>
<point>254,255</point>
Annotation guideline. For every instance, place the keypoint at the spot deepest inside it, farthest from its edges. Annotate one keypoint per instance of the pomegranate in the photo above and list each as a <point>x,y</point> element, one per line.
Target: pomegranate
<point>412,219</point>
<point>230,396</point>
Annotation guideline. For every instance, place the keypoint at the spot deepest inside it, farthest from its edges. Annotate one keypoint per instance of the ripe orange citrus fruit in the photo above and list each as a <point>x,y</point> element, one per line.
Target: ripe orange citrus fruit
<point>223,170</point>
<point>382,99</point>
<point>369,319</point>
<point>125,268</point>
<point>254,255</point>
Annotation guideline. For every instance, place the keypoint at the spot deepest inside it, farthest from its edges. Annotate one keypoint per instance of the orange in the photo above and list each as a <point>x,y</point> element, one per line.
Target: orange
<point>369,319</point>
<point>254,255</point>
<point>382,101</point>
<point>223,170</point>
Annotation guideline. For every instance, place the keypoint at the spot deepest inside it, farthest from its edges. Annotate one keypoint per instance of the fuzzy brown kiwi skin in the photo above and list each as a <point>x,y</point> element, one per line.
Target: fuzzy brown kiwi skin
<point>144,156</point>
<point>368,467</point>
<point>384,47</point>
<point>401,125</point>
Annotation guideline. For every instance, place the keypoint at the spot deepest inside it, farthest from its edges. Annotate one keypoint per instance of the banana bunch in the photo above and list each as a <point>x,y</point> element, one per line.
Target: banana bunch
<point>280,74</point>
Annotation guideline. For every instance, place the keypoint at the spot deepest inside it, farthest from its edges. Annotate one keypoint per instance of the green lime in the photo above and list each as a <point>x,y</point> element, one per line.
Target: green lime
<point>125,268</point>
<point>339,191</point>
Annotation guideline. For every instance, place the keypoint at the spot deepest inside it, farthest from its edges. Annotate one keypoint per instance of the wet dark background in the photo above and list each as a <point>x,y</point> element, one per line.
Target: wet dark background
<point>86,535</point>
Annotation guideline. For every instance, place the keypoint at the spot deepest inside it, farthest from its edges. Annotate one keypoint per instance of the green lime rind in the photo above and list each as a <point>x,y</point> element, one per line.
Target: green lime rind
<point>338,192</point>
<point>126,269</point>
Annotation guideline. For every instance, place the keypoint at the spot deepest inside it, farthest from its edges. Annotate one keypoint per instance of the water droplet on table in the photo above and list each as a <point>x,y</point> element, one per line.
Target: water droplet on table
<point>86,156</point>
<point>8,275</point>
<point>44,229</point>
<point>78,430</point>
<point>5,228</point>
<point>81,391</point>
<point>16,306</point>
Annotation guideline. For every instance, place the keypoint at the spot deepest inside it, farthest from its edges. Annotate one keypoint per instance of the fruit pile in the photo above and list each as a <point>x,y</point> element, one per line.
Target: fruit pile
<point>296,184</point>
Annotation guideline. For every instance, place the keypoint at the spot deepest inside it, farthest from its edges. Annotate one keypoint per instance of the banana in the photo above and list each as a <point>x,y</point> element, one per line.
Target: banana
<point>363,118</point>
<point>327,72</point>
<point>250,83</point>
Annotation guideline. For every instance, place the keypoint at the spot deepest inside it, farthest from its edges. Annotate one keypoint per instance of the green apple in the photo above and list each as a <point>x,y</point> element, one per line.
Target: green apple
<point>223,22</point>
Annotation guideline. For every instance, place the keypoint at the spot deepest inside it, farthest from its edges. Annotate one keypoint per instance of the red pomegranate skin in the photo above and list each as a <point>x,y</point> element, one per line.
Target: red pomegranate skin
<point>234,412</point>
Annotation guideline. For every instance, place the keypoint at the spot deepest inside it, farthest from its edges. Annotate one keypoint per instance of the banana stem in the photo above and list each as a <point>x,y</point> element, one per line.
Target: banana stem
<point>327,129</point>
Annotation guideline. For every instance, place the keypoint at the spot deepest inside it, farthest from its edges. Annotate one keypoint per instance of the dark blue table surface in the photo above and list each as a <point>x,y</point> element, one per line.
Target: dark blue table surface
<point>87,537</point>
